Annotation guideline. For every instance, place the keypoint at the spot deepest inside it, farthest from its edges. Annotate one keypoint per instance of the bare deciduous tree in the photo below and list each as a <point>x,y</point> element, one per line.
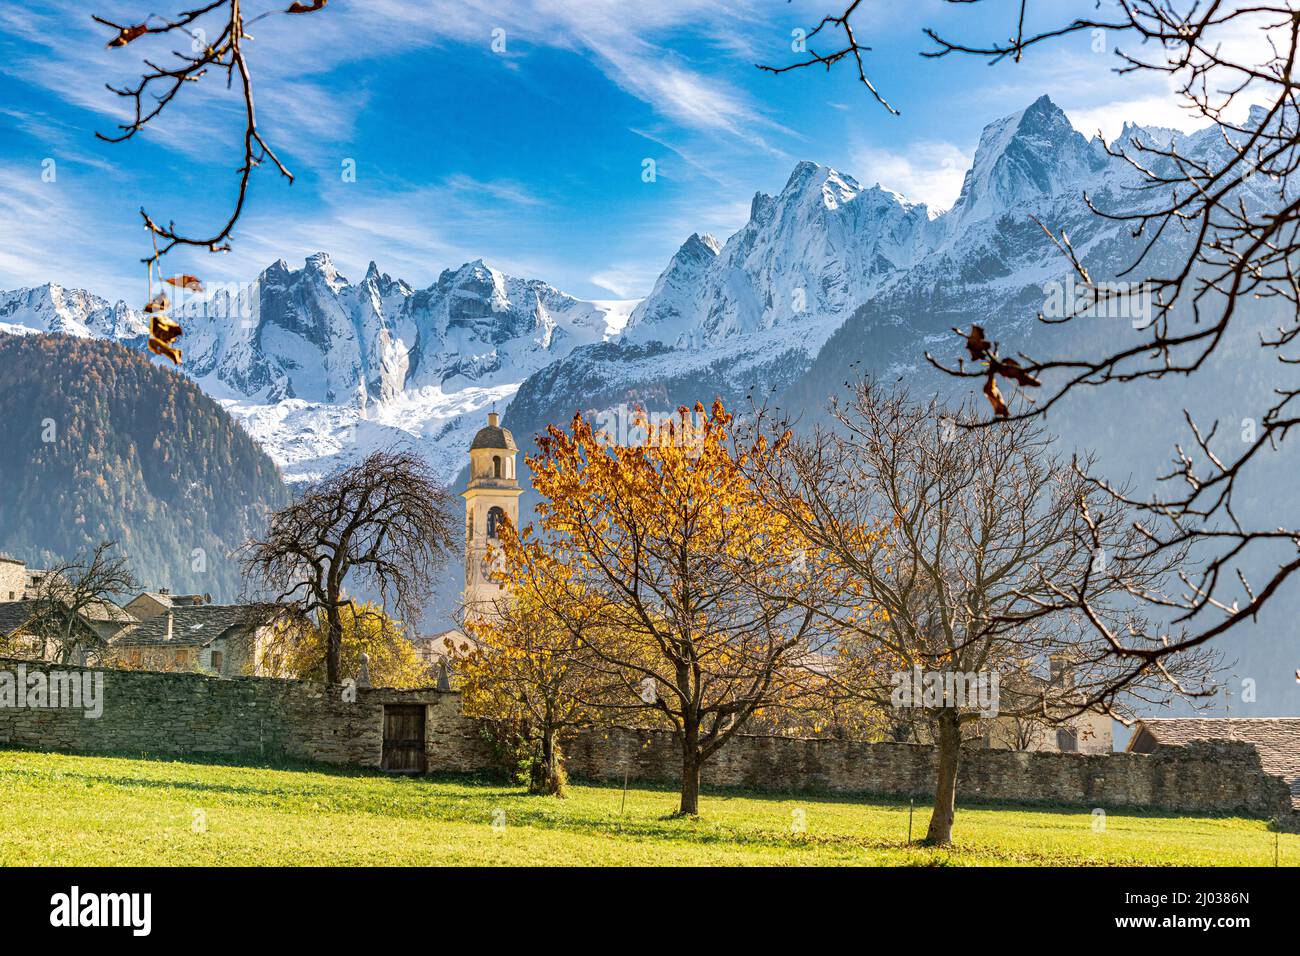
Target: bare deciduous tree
<point>73,597</point>
<point>1229,220</point>
<point>384,524</point>
<point>960,552</point>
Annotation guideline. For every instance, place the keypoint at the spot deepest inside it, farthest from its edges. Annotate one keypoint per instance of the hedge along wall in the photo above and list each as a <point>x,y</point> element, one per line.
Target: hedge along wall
<point>191,714</point>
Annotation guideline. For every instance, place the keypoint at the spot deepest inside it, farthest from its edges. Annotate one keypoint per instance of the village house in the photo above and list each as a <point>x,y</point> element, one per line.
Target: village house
<point>441,648</point>
<point>148,605</point>
<point>1088,732</point>
<point>16,580</point>
<point>225,640</point>
<point>20,590</point>
<point>19,635</point>
<point>156,630</point>
<point>439,652</point>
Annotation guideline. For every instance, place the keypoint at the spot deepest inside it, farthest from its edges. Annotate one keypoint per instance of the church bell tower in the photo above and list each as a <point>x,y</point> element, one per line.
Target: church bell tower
<point>492,494</point>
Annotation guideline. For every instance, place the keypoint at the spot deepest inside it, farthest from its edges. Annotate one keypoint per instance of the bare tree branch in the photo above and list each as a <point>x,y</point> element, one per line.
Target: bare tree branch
<point>161,83</point>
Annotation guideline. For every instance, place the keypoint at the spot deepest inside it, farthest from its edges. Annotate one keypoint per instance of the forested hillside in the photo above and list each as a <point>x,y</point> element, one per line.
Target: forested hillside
<point>98,443</point>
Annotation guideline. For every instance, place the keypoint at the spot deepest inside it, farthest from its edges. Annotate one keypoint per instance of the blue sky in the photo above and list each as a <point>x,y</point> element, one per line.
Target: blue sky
<point>530,159</point>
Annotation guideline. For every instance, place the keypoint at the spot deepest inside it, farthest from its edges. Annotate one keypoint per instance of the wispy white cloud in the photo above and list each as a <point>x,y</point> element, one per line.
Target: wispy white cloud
<point>507,192</point>
<point>628,280</point>
<point>47,223</point>
<point>293,58</point>
<point>928,172</point>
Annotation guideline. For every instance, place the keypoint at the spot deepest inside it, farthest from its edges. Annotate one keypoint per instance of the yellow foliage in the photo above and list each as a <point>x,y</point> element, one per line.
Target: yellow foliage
<point>298,651</point>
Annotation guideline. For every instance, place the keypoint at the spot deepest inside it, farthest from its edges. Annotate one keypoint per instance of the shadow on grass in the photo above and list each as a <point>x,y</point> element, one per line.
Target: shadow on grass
<point>920,803</point>
<point>303,788</point>
<point>469,798</point>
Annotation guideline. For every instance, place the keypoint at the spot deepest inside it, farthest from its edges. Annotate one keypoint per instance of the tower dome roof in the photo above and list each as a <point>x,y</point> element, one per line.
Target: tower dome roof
<point>494,436</point>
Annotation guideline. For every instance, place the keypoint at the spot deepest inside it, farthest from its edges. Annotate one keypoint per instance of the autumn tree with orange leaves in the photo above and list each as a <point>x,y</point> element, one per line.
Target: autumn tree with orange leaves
<point>528,672</point>
<point>664,564</point>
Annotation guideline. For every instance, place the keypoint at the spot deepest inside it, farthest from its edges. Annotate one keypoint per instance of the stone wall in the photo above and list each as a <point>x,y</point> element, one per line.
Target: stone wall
<point>175,714</point>
<point>1205,776</point>
<point>146,712</point>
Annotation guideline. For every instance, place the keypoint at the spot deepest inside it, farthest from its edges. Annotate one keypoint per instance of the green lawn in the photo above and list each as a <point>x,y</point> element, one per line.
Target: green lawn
<point>57,809</point>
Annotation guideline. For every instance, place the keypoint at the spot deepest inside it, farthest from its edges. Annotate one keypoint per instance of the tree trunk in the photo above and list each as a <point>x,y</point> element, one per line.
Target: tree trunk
<point>945,791</point>
<point>547,776</point>
<point>690,770</point>
<point>333,644</point>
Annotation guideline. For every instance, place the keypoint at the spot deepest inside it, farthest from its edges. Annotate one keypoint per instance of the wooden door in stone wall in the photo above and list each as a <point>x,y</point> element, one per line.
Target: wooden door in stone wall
<point>404,738</point>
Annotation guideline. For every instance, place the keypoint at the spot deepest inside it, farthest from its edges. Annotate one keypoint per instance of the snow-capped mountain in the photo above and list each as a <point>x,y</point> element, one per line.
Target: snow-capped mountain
<point>825,273</point>
<point>806,258</point>
<point>759,309</point>
<point>320,370</point>
<point>52,308</point>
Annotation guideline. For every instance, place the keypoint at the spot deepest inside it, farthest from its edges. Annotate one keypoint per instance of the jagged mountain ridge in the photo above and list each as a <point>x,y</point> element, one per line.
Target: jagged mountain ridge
<point>319,369</point>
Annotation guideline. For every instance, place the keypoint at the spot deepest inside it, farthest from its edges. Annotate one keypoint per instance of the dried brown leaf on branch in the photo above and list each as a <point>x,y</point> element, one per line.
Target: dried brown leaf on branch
<point>127,34</point>
<point>186,282</point>
<point>994,395</point>
<point>159,348</point>
<point>162,332</point>
<point>982,350</point>
<point>977,344</point>
<point>1010,368</point>
<point>164,329</point>
<point>306,7</point>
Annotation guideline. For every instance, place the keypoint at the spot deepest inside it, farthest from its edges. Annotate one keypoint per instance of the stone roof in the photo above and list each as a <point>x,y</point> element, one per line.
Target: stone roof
<point>167,599</point>
<point>163,599</point>
<point>108,611</point>
<point>14,614</point>
<point>1277,739</point>
<point>190,626</point>
<point>493,436</point>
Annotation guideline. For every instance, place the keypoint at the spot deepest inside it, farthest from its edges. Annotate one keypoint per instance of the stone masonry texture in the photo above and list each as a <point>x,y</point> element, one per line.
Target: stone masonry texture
<point>147,713</point>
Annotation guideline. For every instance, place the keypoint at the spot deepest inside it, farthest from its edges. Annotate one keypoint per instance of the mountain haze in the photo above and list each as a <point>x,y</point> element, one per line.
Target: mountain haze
<point>102,445</point>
